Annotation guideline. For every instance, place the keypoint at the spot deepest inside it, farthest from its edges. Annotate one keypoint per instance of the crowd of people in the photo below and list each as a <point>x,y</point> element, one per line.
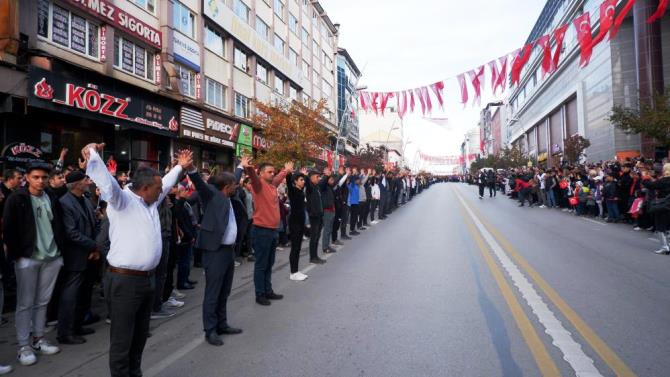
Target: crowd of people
<point>68,229</point>
<point>635,191</point>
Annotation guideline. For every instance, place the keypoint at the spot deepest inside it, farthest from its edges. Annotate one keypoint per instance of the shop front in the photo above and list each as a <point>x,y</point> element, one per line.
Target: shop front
<point>71,107</point>
<point>209,136</point>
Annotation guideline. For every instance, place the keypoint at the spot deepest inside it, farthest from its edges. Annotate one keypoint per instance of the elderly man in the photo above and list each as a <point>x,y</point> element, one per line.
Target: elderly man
<point>136,247</point>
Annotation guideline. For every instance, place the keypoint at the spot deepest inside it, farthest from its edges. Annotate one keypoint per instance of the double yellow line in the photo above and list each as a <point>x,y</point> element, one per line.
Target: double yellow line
<point>543,360</point>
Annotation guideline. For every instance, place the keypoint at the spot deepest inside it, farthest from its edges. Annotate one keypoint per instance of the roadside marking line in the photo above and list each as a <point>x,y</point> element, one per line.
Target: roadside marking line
<point>653,239</point>
<point>592,221</point>
<point>561,338</point>
<point>172,358</point>
<point>542,358</point>
<point>610,358</point>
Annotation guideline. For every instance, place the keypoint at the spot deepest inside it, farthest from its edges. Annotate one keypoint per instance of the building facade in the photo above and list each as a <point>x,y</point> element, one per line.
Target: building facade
<point>544,111</point>
<point>149,77</point>
<point>348,75</point>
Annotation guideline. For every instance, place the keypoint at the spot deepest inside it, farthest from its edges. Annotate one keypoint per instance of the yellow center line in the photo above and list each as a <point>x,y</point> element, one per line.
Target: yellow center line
<point>612,360</point>
<point>544,362</point>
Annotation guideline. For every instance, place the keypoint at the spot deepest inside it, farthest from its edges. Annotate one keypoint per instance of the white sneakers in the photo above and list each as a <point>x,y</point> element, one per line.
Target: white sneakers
<point>662,251</point>
<point>178,295</point>
<point>298,276</point>
<point>26,355</point>
<point>174,303</point>
<point>4,369</point>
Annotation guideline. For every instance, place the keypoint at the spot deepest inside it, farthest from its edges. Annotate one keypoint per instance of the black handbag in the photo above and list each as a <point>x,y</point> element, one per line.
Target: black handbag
<point>659,204</point>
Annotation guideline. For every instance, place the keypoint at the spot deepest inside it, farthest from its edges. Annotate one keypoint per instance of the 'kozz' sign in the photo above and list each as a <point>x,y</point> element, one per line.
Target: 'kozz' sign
<point>100,101</point>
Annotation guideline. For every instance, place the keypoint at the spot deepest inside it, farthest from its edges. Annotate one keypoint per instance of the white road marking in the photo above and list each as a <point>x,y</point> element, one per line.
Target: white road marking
<point>172,358</point>
<point>561,338</point>
<point>653,239</point>
<point>593,221</point>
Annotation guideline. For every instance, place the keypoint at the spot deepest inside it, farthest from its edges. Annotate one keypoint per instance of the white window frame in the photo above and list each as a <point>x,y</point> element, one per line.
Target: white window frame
<point>279,88</point>
<point>244,66</point>
<point>192,81</point>
<point>243,101</point>
<point>293,93</point>
<point>277,39</point>
<point>178,7</point>
<point>239,6</point>
<point>218,90</point>
<point>304,36</point>
<point>279,9</point>
<point>315,47</point>
<point>149,58</point>
<point>49,37</point>
<point>146,5</point>
<point>263,79</point>
<point>259,22</point>
<point>293,23</point>
<point>293,56</point>
<point>306,69</point>
<point>211,30</point>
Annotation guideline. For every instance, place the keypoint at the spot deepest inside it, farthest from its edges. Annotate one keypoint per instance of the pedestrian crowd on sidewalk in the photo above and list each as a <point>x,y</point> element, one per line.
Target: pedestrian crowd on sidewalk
<point>634,191</point>
<point>69,229</point>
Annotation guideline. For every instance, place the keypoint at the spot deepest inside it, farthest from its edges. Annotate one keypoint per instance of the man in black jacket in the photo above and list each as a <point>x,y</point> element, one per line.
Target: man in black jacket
<point>33,232</point>
<point>80,247</point>
<point>216,237</point>
<point>295,186</point>
<point>327,187</point>
<point>315,212</point>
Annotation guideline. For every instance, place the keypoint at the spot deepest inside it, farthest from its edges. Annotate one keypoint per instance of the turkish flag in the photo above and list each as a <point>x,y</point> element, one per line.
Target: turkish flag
<point>620,17</point>
<point>422,101</point>
<point>493,67</point>
<point>477,77</point>
<point>426,97</point>
<point>373,102</point>
<point>519,62</point>
<point>438,87</point>
<point>464,88</point>
<point>607,10</point>
<point>402,104</point>
<point>583,26</point>
<point>660,11</point>
<point>547,66</point>
<point>385,100</point>
<point>411,99</point>
<point>502,75</point>
<point>559,35</point>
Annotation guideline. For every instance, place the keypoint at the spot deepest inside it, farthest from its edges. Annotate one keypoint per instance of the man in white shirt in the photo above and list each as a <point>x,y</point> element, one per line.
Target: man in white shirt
<point>135,251</point>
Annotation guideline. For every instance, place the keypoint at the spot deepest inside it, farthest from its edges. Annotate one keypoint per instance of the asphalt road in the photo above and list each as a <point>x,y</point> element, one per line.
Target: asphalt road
<point>448,285</point>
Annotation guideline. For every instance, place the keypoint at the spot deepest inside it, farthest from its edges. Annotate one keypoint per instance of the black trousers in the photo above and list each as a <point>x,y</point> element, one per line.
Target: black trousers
<point>130,299</point>
<point>346,210</point>
<point>297,231</point>
<point>353,216</point>
<point>219,271</point>
<point>316,224</point>
<point>481,189</point>
<point>364,208</point>
<point>160,275</point>
<point>70,307</point>
<point>173,257</point>
<point>373,208</point>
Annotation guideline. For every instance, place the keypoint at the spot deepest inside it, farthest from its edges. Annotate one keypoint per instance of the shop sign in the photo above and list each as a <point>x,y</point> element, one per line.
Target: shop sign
<point>69,92</point>
<point>19,154</point>
<point>103,43</point>
<point>186,51</point>
<point>157,69</point>
<point>243,150</point>
<point>245,136</point>
<point>260,142</point>
<point>108,13</point>
<point>219,126</point>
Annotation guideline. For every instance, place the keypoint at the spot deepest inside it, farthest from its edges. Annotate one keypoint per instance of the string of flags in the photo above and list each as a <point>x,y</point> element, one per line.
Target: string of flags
<point>511,64</point>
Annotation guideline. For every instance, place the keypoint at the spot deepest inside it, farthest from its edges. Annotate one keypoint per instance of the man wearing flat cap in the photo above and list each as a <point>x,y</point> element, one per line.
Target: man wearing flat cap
<point>80,246</point>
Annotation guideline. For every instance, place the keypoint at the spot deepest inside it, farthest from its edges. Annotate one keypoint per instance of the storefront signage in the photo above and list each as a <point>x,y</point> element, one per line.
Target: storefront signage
<point>103,43</point>
<point>100,98</point>
<point>105,11</point>
<point>19,154</point>
<point>207,127</point>
<point>186,51</point>
<point>259,142</point>
<point>244,140</point>
<point>157,69</point>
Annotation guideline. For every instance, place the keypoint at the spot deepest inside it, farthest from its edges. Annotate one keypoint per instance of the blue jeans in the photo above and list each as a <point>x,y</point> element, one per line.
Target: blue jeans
<point>612,210</point>
<point>551,198</point>
<point>265,244</point>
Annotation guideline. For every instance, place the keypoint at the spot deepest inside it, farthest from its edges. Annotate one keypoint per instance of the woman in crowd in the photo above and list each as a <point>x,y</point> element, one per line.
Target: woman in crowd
<point>661,214</point>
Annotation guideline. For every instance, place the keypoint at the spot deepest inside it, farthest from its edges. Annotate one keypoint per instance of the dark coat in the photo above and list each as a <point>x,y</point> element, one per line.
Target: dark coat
<point>214,221</point>
<point>297,200</point>
<point>662,188</point>
<point>80,232</point>
<point>327,193</point>
<point>19,228</point>
<point>184,222</point>
<point>314,202</point>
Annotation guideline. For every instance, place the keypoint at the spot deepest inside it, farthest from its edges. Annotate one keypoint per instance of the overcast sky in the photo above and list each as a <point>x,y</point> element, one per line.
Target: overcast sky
<point>402,45</point>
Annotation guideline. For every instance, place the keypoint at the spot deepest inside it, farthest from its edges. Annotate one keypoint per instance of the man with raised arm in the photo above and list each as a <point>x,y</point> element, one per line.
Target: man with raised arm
<point>136,245</point>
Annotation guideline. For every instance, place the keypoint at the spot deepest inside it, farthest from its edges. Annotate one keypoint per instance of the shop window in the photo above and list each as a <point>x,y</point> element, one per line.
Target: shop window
<point>68,30</point>
<point>241,106</point>
<point>262,73</point>
<point>187,81</point>
<point>133,59</point>
<point>241,10</point>
<point>215,94</point>
<point>214,41</point>
<point>240,59</point>
<point>183,20</point>
<point>262,28</point>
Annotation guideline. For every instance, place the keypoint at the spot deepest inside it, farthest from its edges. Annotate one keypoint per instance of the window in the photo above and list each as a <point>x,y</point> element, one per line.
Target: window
<point>315,76</point>
<point>132,58</point>
<point>279,85</point>
<point>293,23</point>
<point>293,93</point>
<point>315,48</point>
<point>262,73</point>
<point>214,41</point>
<point>327,88</point>
<point>279,9</point>
<point>305,69</point>
<point>186,81</point>
<point>293,56</point>
<point>242,10</point>
<point>240,59</point>
<point>262,28</point>
<point>149,5</point>
<point>279,44</point>
<point>67,29</point>
<point>315,15</point>
<point>324,30</point>
<point>215,94</point>
<point>241,106</point>
<point>183,20</point>
<point>305,36</point>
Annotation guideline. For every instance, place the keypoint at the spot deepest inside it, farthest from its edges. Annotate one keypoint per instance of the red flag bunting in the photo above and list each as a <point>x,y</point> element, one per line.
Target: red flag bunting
<point>477,77</point>
<point>660,11</point>
<point>620,17</point>
<point>421,100</point>
<point>607,10</point>
<point>493,67</point>
<point>385,100</point>
<point>373,102</point>
<point>362,99</point>
<point>545,42</point>
<point>559,34</point>
<point>426,97</point>
<point>464,88</point>
<point>502,75</point>
<point>438,88</point>
<point>583,26</point>
<point>402,104</point>
<point>411,99</point>
<point>519,62</point>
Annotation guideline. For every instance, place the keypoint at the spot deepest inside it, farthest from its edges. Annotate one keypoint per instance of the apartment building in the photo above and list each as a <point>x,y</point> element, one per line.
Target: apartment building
<point>150,76</point>
<point>348,76</point>
<point>543,111</point>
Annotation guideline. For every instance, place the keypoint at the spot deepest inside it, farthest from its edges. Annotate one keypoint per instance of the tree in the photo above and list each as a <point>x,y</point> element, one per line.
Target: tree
<point>368,157</point>
<point>512,158</point>
<point>294,131</point>
<point>574,148</point>
<point>651,119</point>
